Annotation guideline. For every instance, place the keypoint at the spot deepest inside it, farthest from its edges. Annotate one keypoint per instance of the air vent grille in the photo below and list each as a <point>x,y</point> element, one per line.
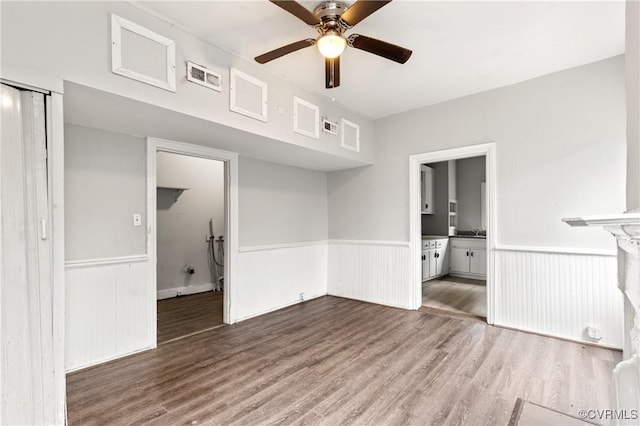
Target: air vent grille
<point>203,76</point>
<point>329,126</point>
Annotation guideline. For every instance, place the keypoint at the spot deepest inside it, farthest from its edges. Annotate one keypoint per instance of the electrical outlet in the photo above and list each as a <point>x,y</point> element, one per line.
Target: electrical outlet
<point>302,297</point>
<point>137,219</point>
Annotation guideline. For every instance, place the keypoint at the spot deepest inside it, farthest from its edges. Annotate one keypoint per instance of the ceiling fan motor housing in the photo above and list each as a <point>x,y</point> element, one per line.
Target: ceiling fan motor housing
<point>329,13</point>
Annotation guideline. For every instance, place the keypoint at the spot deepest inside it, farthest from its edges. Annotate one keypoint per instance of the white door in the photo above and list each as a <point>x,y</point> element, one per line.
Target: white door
<point>426,177</point>
<point>459,260</point>
<point>478,261</point>
<point>433,263</point>
<point>425,265</point>
<point>439,253</point>
<point>26,336</point>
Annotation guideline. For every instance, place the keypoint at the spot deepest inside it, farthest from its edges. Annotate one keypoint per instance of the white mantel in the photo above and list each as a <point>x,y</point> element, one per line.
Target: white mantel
<point>626,228</point>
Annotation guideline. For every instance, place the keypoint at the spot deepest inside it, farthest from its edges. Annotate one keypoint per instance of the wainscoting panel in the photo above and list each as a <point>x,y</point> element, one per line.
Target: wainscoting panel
<point>108,310</point>
<point>371,271</point>
<point>559,294</point>
<point>272,277</point>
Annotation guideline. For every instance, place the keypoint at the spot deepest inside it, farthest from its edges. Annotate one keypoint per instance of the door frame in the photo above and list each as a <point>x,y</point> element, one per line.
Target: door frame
<point>486,149</point>
<point>230,159</point>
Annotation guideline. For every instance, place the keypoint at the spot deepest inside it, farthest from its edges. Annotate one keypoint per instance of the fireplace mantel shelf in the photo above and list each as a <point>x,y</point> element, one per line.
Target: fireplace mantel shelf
<point>627,224</point>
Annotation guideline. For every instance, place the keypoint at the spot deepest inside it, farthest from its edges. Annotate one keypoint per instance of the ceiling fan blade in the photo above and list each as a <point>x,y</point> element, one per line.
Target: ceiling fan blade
<point>360,10</point>
<point>380,48</point>
<point>284,50</point>
<point>297,10</point>
<point>332,72</point>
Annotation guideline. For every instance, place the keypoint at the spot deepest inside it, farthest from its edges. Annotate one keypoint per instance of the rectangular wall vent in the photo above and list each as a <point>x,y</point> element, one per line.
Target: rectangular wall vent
<point>329,126</point>
<point>203,76</point>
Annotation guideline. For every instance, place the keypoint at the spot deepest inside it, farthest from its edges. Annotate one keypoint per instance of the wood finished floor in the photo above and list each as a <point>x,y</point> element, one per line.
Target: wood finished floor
<point>184,315</point>
<point>458,295</point>
<point>336,361</point>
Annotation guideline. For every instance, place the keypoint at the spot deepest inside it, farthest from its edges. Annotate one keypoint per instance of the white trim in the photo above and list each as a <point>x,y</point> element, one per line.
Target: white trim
<point>73,264</point>
<point>234,75</point>
<point>117,25</point>
<point>558,250</point>
<point>286,305</point>
<point>107,359</point>
<point>281,246</point>
<point>371,242</point>
<point>231,227</point>
<point>344,122</point>
<point>55,161</point>
<point>361,299</point>
<point>183,290</point>
<point>297,102</point>
<point>415,240</point>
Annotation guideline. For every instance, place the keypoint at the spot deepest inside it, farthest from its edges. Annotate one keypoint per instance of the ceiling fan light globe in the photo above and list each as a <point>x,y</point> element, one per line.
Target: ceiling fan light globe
<point>331,45</point>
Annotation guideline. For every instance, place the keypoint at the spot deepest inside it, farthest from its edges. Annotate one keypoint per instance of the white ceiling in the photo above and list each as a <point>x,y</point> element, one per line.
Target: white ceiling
<point>459,48</point>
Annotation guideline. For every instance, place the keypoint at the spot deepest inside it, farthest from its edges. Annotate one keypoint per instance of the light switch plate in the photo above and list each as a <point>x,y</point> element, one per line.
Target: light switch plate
<point>137,219</point>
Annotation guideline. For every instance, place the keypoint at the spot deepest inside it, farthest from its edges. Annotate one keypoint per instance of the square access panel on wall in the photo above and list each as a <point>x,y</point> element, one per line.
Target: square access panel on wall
<point>350,136</point>
<point>306,118</point>
<point>247,95</point>
<point>140,54</point>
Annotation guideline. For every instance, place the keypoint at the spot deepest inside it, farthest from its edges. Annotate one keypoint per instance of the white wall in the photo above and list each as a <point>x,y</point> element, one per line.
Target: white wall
<point>470,172</point>
<point>105,181</point>
<point>632,61</point>
<point>560,150</point>
<point>182,223</point>
<point>281,204</point>
<point>282,230</point>
<point>71,41</point>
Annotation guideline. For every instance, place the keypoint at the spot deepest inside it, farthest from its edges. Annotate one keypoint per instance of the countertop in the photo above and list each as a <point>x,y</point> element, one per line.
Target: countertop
<point>444,237</point>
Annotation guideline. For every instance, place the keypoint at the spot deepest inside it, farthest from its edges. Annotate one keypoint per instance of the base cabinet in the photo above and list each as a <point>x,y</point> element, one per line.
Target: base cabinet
<point>425,265</point>
<point>468,258</point>
<point>435,258</point>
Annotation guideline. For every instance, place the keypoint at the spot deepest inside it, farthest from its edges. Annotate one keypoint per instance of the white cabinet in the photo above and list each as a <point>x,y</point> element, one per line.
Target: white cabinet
<point>469,257</point>
<point>426,190</point>
<point>425,265</point>
<point>435,258</point>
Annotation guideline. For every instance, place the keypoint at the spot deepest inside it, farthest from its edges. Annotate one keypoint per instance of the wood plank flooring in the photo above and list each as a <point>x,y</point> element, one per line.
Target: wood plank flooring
<point>336,361</point>
<point>184,315</point>
<point>458,295</point>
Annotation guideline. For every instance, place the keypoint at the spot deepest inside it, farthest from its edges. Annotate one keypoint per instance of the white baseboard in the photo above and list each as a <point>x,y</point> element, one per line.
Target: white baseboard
<point>286,305</point>
<point>183,291</point>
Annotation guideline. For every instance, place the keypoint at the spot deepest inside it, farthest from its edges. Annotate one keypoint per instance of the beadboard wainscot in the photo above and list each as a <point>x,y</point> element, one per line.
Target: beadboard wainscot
<point>274,276</point>
<point>559,292</point>
<point>371,271</point>
<point>626,376</point>
<point>108,310</point>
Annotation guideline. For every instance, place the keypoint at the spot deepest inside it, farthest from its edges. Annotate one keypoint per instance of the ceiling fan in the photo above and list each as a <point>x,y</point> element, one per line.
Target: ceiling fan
<point>332,19</point>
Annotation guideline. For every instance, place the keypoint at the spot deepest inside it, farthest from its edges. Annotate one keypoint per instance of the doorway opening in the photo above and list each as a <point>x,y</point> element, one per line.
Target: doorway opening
<point>452,230</point>
<point>190,223</point>
<point>192,212</point>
